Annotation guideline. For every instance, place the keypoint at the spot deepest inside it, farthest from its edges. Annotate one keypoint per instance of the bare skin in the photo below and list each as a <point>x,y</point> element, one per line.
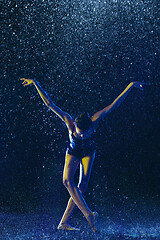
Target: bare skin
<point>85,171</point>
<point>72,162</point>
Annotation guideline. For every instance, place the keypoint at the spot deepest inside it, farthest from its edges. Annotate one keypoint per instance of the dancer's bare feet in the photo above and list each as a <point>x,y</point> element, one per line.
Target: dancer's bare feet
<point>92,220</point>
<point>65,226</point>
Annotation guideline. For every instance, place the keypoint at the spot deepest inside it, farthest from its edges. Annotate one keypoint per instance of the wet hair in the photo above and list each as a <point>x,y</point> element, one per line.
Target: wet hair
<point>83,121</point>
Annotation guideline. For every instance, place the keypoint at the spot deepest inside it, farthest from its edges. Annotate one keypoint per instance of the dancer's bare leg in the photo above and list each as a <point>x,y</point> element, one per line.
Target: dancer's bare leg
<point>85,170</point>
<point>68,211</point>
<point>65,218</point>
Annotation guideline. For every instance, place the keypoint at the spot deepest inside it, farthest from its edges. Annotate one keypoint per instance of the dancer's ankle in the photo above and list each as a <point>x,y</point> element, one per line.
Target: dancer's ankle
<point>91,220</point>
<point>63,222</point>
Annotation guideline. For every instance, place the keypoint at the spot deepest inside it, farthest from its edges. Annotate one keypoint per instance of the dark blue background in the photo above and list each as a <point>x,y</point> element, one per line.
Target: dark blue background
<point>83,53</point>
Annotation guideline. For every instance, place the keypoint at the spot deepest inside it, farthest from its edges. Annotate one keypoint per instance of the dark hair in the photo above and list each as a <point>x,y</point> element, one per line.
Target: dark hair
<point>83,121</point>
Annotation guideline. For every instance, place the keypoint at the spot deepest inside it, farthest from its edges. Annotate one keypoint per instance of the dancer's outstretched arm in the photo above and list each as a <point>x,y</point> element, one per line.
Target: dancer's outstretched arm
<point>46,99</point>
<point>100,114</point>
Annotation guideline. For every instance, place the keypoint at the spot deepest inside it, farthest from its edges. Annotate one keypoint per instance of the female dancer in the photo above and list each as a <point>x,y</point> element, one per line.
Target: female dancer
<point>80,151</point>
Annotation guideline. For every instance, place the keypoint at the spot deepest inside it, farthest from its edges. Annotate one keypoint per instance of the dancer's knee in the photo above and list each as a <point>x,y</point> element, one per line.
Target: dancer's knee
<point>67,183</point>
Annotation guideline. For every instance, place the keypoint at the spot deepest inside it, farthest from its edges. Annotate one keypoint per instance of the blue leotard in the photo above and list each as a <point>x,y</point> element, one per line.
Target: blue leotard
<point>81,147</point>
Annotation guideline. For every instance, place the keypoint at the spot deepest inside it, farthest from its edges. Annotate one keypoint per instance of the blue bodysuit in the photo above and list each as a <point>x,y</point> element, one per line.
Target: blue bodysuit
<point>81,147</point>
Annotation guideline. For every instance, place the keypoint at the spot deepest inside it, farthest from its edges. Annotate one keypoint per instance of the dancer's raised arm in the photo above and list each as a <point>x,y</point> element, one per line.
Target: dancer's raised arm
<point>100,114</point>
<point>46,99</point>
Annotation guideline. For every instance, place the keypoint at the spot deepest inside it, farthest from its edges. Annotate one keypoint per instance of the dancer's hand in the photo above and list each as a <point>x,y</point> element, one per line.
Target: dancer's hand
<point>26,81</point>
<point>138,85</point>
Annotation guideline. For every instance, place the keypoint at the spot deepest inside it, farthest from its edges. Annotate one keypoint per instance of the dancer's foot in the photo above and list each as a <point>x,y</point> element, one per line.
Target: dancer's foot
<point>65,226</point>
<point>92,220</point>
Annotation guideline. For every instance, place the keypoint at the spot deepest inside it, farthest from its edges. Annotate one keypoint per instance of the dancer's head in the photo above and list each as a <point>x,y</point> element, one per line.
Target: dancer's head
<point>83,121</point>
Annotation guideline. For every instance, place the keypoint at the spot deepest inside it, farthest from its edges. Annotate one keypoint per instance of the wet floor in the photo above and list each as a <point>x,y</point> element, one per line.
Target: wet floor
<point>18,226</point>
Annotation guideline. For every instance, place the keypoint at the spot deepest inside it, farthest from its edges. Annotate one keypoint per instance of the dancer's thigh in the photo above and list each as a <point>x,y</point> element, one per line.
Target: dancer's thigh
<point>70,167</point>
